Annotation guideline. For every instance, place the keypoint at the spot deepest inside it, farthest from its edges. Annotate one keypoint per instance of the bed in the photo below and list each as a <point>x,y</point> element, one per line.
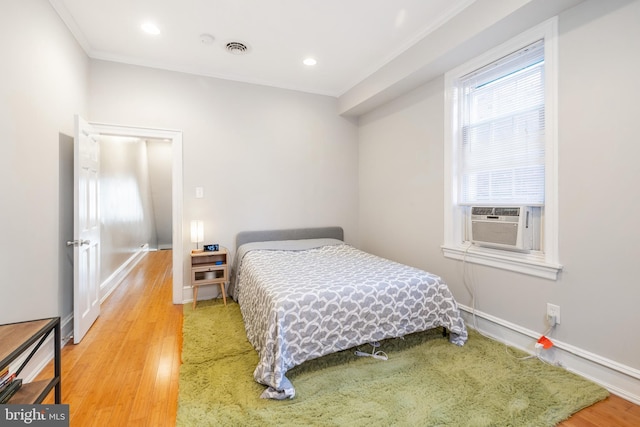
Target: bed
<point>305,293</point>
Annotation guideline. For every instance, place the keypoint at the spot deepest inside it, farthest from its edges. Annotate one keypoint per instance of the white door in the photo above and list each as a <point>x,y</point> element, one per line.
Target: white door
<point>86,229</point>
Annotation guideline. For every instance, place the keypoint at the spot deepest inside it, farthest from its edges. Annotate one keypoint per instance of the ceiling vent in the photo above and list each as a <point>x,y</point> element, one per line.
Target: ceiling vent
<point>237,48</point>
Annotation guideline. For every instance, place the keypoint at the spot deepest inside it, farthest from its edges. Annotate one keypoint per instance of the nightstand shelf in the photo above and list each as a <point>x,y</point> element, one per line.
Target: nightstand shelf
<point>209,268</point>
<point>16,339</point>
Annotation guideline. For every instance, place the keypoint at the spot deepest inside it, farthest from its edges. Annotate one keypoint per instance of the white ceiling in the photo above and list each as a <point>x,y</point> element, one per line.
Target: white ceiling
<point>350,39</point>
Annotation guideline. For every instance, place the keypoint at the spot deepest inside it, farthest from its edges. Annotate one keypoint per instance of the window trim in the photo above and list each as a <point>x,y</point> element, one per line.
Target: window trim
<point>542,263</point>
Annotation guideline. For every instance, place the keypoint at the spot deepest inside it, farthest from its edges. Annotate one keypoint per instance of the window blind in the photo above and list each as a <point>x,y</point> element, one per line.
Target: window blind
<point>502,117</point>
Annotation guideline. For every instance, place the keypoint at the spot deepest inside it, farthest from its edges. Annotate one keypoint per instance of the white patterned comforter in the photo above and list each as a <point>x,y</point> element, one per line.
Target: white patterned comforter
<point>304,303</point>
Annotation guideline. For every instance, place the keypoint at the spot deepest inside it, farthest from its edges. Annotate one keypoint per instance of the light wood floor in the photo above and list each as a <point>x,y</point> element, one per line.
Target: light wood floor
<point>125,371</point>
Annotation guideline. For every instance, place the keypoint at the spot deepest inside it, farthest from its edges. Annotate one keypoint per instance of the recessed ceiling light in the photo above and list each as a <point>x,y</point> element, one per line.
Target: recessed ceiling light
<point>310,62</point>
<point>150,28</point>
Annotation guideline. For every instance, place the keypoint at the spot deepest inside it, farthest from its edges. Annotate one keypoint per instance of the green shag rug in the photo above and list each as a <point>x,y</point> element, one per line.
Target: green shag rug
<point>427,381</point>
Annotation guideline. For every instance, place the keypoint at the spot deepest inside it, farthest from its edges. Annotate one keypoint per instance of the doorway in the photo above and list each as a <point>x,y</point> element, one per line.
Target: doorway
<point>175,139</point>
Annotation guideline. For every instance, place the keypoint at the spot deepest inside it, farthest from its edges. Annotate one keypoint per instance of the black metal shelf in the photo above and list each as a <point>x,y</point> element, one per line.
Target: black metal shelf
<point>18,338</point>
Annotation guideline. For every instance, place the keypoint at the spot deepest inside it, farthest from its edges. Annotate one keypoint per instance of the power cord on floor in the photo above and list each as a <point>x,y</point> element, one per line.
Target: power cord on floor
<point>542,343</point>
<point>380,355</point>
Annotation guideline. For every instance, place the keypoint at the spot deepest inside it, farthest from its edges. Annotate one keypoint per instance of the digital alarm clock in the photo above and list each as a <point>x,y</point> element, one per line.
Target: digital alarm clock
<point>211,248</point>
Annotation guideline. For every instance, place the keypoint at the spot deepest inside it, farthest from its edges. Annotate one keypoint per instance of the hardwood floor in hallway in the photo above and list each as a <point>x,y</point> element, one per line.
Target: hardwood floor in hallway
<point>125,370</point>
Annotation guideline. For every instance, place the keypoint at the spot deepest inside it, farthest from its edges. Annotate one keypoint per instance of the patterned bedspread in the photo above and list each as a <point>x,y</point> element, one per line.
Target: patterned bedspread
<point>304,303</point>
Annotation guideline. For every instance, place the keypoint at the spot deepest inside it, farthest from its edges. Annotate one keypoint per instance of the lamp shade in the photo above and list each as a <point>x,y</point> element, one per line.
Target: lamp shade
<point>197,231</point>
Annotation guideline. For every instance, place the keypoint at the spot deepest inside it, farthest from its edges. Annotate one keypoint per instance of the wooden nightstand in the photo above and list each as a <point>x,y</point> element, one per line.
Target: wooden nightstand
<point>209,268</point>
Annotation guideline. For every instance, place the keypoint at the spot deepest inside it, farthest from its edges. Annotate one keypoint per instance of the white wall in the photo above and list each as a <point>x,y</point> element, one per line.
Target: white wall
<point>267,158</point>
<point>42,85</point>
<point>159,155</point>
<point>599,175</point>
<point>127,219</point>
<point>401,178</point>
<point>401,200</point>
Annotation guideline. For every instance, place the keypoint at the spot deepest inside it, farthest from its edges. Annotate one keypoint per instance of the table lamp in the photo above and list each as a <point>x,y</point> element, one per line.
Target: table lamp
<point>197,233</point>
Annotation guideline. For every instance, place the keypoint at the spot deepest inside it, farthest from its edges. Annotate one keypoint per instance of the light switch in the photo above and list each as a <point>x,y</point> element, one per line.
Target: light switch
<point>199,192</point>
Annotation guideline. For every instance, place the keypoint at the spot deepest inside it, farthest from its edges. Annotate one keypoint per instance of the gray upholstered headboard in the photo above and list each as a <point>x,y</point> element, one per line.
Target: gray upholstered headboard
<point>289,234</point>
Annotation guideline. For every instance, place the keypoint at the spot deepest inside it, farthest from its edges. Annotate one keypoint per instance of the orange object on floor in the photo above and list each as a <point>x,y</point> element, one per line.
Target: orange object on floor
<point>545,342</point>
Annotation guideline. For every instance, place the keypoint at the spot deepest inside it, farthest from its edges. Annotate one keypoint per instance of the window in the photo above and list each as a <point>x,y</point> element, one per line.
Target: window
<point>502,131</point>
<point>500,139</point>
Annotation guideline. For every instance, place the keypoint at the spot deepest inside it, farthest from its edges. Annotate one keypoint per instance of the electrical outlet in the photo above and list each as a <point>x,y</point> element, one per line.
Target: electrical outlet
<point>553,311</point>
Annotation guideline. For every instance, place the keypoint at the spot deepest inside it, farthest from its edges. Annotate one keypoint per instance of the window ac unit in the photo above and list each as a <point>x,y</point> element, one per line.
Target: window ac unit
<point>502,227</point>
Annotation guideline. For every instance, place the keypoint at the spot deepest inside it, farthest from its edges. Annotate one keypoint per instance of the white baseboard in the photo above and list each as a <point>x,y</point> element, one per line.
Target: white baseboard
<point>204,293</point>
<point>112,282</point>
<point>619,379</point>
<point>187,294</point>
<point>66,329</point>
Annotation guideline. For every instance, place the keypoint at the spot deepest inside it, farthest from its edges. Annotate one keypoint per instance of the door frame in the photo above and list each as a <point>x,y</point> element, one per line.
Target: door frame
<point>175,137</point>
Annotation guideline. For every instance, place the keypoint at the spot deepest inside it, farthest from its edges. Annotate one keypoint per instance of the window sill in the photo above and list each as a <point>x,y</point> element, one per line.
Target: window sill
<point>533,264</point>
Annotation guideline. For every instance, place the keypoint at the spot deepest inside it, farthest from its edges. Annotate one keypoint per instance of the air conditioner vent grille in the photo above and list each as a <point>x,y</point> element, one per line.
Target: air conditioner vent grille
<point>498,211</point>
<point>507,211</point>
<point>481,210</point>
